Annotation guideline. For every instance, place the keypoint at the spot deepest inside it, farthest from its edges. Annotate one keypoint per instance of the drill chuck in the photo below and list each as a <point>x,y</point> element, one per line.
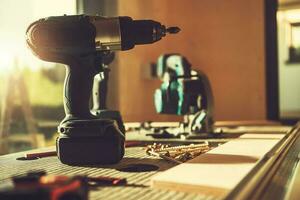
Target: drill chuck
<point>137,32</point>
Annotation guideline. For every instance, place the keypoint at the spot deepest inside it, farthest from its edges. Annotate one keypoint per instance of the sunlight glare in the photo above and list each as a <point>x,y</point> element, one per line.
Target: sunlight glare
<point>14,21</point>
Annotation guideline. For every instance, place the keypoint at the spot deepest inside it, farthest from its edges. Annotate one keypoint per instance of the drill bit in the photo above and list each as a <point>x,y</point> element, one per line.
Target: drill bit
<point>173,30</point>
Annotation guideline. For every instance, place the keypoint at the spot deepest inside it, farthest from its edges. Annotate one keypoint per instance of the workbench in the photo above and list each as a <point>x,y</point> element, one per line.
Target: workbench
<point>138,186</point>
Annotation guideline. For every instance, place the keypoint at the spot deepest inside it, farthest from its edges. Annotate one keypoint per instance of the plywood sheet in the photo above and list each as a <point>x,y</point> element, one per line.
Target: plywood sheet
<point>221,169</point>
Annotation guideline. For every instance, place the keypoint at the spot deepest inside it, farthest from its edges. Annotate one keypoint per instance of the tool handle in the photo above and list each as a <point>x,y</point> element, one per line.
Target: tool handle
<point>77,88</point>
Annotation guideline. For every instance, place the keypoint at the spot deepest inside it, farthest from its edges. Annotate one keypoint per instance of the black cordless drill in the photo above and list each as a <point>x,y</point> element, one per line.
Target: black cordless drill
<point>82,42</point>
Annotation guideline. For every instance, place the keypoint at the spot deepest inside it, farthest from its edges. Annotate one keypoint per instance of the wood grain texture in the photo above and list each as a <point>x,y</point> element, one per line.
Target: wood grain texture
<point>221,169</point>
<point>225,39</point>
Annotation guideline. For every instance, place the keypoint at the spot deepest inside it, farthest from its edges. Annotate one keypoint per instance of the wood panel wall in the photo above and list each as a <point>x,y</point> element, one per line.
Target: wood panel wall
<point>223,38</point>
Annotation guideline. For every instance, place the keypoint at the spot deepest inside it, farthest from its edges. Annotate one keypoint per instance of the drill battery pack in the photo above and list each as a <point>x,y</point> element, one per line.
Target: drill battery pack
<point>39,186</point>
<point>89,142</point>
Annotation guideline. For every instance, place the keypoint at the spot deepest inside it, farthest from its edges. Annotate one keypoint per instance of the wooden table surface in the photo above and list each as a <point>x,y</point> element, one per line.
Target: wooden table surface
<point>138,182</point>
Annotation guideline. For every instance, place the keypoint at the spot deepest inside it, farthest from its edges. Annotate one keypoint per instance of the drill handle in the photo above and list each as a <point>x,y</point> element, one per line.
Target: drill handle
<point>78,87</point>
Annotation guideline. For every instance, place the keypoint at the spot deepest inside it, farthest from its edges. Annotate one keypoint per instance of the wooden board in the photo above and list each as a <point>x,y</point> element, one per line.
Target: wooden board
<point>219,170</point>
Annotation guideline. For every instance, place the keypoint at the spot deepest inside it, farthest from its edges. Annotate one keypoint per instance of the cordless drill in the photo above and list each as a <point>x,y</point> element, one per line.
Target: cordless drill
<point>82,42</point>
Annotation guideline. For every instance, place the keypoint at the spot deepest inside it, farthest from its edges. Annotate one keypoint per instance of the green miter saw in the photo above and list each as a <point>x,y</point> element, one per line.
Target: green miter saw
<point>184,92</point>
